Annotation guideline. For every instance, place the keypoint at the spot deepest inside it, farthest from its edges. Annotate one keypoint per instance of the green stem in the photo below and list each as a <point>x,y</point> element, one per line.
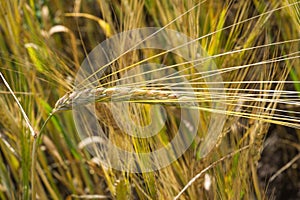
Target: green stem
<point>34,157</point>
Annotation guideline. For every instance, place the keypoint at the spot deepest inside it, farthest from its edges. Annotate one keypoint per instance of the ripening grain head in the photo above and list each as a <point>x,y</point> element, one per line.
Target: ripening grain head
<point>233,77</point>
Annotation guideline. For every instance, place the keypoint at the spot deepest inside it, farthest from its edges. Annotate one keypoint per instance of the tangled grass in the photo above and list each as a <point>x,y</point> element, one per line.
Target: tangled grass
<point>254,44</point>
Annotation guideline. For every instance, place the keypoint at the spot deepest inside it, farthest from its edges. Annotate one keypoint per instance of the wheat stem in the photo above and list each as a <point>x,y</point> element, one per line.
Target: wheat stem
<point>34,157</point>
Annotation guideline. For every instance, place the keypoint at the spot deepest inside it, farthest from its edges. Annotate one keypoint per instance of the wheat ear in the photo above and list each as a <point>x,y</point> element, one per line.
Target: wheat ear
<point>117,94</point>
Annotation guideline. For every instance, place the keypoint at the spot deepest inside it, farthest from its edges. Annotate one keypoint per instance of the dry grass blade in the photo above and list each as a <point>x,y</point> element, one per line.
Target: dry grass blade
<point>105,26</point>
<point>33,133</point>
<point>208,168</point>
<point>285,167</point>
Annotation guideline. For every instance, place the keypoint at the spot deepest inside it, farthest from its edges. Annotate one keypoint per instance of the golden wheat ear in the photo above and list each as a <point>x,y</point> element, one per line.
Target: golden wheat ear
<point>62,104</point>
<point>78,98</point>
<point>126,94</point>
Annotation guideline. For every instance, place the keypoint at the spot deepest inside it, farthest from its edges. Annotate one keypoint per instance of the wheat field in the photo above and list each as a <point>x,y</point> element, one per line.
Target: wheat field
<point>222,78</point>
